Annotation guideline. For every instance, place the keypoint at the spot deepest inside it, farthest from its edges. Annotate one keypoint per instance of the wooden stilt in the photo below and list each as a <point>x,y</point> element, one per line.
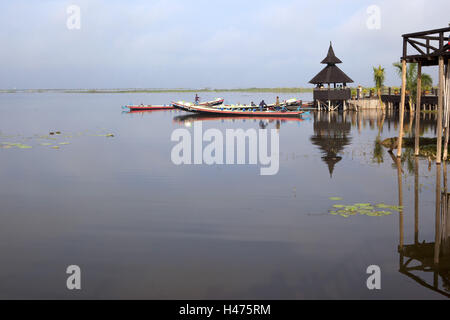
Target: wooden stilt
<point>402,110</point>
<point>446,110</point>
<point>439,115</point>
<point>418,103</point>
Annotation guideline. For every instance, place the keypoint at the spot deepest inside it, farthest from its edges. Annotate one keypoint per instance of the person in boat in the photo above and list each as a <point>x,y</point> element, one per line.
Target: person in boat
<point>262,105</point>
<point>277,102</point>
<point>252,104</point>
<point>197,99</point>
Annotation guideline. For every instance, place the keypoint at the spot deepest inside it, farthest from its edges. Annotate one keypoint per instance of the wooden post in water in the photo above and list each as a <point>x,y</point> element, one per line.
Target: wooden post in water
<point>445,98</point>
<point>402,109</point>
<point>439,115</point>
<point>418,103</point>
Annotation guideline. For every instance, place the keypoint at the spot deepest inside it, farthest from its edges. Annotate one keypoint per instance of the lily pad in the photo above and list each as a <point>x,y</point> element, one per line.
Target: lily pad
<point>335,198</point>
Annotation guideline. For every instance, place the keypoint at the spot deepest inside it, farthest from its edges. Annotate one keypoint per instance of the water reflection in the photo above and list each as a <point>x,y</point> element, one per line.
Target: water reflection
<point>420,259</point>
<point>263,122</point>
<point>331,135</point>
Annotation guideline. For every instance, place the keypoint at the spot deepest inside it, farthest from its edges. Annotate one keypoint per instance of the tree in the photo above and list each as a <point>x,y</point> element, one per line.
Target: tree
<point>378,78</point>
<point>411,81</point>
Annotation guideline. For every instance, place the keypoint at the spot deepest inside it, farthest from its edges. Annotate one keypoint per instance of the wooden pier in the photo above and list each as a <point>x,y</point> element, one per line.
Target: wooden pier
<point>430,48</point>
<point>391,97</point>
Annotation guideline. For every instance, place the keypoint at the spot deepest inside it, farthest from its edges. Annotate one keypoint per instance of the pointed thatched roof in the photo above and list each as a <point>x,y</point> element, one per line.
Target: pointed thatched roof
<point>331,73</point>
<point>331,58</point>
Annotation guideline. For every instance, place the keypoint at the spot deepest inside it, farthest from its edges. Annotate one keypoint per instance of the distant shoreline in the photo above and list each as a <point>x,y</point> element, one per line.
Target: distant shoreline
<point>274,90</point>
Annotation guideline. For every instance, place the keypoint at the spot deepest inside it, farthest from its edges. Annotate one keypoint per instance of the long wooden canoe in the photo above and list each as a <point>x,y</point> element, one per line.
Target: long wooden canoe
<point>230,111</point>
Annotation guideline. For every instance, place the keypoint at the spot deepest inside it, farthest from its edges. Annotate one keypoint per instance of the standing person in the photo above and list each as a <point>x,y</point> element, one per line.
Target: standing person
<point>197,99</point>
<point>262,105</point>
<point>359,92</point>
<point>277,101</point>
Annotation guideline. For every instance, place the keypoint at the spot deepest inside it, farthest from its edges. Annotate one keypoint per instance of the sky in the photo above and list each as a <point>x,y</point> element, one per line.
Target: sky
<point>204,44</point>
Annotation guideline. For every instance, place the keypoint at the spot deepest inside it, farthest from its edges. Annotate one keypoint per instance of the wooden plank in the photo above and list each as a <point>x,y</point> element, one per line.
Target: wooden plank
<point>425,33</point>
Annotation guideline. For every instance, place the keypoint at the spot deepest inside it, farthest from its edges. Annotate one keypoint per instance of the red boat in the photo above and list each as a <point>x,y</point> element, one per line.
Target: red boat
<point>235,111</point>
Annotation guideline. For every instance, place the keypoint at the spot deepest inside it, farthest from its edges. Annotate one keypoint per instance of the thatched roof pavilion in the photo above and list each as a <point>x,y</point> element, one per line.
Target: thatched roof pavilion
<point>331,73</point>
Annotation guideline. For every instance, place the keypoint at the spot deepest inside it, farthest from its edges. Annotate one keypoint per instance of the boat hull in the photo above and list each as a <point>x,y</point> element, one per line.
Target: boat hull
<point>254,112</point>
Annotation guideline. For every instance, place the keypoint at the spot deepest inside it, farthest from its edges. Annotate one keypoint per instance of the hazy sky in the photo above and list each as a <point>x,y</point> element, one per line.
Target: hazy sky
<point>195,44</point>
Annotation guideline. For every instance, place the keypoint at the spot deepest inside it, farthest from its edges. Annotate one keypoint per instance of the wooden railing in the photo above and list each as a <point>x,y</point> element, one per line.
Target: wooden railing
<point>396,91</point>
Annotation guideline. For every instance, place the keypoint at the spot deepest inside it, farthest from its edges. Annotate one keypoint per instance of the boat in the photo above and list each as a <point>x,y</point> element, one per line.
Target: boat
<point>215,102</point>
<point>240,110</point>
<point>290,104</point>
<point>143,107</point>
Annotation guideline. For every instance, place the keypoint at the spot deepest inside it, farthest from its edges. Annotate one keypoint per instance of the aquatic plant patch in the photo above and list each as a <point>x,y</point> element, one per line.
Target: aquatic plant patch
<point>368,209</point>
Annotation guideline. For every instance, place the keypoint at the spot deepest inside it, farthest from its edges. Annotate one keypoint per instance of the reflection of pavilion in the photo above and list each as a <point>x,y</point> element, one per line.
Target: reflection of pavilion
<point>331,136</point>
<point>421,258</point>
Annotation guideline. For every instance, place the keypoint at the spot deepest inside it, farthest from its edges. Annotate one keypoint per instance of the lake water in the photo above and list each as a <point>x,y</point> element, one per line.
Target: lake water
<point>140,226</point>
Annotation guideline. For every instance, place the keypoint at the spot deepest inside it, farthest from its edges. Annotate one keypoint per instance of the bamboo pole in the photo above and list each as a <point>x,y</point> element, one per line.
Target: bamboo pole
<point>402,110</point>
<point>418,102</point>
<point>446,110</point>
<point>439,115</point>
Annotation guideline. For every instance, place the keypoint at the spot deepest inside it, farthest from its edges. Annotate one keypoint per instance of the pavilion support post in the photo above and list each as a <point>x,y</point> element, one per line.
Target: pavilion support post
<point>418,103</point>
<point>439,115</point>
<point>402,109</point>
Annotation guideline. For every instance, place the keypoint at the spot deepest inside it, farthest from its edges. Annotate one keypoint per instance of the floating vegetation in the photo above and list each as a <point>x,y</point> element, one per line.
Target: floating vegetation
<point>427,146</point>
<point>104,135</point>
<point>335,198</point>
<point>368,209</point>
<point>7,145</point>
<point>54,139</point>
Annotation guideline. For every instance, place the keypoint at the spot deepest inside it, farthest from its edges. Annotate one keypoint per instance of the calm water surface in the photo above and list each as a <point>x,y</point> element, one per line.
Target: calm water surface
<point>142,227</point>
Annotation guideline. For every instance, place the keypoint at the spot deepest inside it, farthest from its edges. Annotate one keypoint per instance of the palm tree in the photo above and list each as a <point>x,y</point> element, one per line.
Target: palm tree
<point>411,81</point>
<point>378,78</point>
